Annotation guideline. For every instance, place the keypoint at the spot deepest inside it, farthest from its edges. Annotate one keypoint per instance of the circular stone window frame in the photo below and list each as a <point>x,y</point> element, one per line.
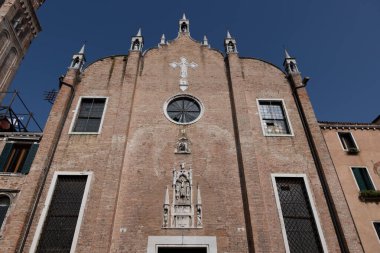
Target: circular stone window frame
<point>167,102</point>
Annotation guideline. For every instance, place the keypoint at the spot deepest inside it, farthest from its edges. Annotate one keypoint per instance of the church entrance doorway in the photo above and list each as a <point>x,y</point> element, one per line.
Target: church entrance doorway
<point>182,250</point>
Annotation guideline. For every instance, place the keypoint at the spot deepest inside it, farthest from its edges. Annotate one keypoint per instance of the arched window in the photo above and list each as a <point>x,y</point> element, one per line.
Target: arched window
<point>1,2</point>
<point>5,202</point>
<point>7,65</point>
<point>184,27</point>
<point>3,39</point>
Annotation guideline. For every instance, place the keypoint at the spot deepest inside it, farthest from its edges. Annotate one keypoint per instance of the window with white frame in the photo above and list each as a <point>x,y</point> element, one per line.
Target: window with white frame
<point>376,225</point>
<point>89,115</point>
<point>348,142</point>
<point>363,178</point>
<point>58,228</point>
<point>299,221</point>
<point>273,117</point>
<point>5,203</point>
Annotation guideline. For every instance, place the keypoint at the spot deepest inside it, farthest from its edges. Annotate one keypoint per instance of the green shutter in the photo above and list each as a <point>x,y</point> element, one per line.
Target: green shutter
<point>363,179</point>
<point>367,180</point>
<point>4,155</point>
<point>29,159</point>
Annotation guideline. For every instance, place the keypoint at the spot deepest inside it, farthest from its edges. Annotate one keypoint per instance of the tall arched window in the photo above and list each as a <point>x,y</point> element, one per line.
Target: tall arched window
<point>3,39</point>
<point>6,67</point>
<point>5,202</point>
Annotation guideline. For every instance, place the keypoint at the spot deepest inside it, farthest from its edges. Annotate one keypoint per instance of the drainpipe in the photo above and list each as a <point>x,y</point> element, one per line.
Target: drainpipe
<point>318,164</point>
<point>47,168</point>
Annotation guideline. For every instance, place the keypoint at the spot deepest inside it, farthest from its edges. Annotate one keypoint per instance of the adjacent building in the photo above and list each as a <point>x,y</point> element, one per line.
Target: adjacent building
<point>354,149</point>
<point>18,27</point>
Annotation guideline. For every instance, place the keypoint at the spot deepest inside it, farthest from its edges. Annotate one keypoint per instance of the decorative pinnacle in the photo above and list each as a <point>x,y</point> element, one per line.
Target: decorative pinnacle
<point>81,51</point>
<point>162,39</point>
<point>287,56</point>
<point>228,35</point>
<point>199,199</point>
<point>184,16</point>
<point>138,33</point>
<point>166,201</point>
<point>205,41</point>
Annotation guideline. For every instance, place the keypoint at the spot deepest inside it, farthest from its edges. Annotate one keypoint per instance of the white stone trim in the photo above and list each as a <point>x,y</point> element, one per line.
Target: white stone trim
<point>286,116</point>
<point>352,136</point>
<point>312,204</point>
<point>45,210</point>
<point>76,115</point>
<point>183,95</point>
<point>369,174</point>
<point>155,242</point>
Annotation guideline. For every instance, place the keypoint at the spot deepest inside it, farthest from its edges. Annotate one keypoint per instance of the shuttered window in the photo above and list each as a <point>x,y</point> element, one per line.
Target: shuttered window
<point>61,220</point>
<point>363,179</point>
<point>301,229</point>
<point>17,157</point>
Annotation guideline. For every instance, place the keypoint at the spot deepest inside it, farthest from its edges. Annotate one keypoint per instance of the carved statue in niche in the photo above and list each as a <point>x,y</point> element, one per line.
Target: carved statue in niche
<point>182,211</point>
<point>183,143</point>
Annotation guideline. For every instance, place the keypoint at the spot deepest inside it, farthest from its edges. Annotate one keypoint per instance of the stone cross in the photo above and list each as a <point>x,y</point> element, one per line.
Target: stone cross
<point>183,65</point>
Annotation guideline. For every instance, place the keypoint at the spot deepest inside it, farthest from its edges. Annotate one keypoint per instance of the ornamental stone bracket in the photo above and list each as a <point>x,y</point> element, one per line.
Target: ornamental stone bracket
<point>181,212</point>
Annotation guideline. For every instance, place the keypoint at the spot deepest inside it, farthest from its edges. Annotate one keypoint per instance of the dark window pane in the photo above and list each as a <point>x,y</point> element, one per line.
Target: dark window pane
<point>273,117</point>
<point>4,205</point>
<point>362,178</point>
<point>183,110</point>
<point>300,226</point>
<point>347,140</point>
<point>16,158</point>
<point>59,228</point>
<point>89,115</point>
<point>377,228</point>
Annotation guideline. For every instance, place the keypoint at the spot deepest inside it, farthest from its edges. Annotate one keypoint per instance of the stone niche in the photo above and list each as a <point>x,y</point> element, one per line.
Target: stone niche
<point>181,211</point>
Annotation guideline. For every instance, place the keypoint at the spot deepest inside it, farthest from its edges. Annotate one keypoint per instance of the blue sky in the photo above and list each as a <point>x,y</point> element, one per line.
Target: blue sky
<point>336,43</point>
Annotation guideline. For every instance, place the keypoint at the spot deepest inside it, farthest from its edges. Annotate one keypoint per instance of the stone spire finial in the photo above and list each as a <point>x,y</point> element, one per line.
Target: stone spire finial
<point>228,35</point>
<point>199,199</point>
<point>205,41</point>
<point>163,42</point>
<point>287,56</point>
<point>137,42</point>
<point>81,51</point>
<point>166,200</point>
<point>230,44</point>
<point>78,59</point>
<point>290,64</point>
<point>184,25</point>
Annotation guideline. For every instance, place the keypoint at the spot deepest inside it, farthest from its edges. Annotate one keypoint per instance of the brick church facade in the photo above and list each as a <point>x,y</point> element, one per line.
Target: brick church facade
<point>181,148</point>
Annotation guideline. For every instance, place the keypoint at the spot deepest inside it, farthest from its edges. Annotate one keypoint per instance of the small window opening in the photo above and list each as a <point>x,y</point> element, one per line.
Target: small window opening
<point>348,142</point>
<point>5,202</point>
<point>184,27</point>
